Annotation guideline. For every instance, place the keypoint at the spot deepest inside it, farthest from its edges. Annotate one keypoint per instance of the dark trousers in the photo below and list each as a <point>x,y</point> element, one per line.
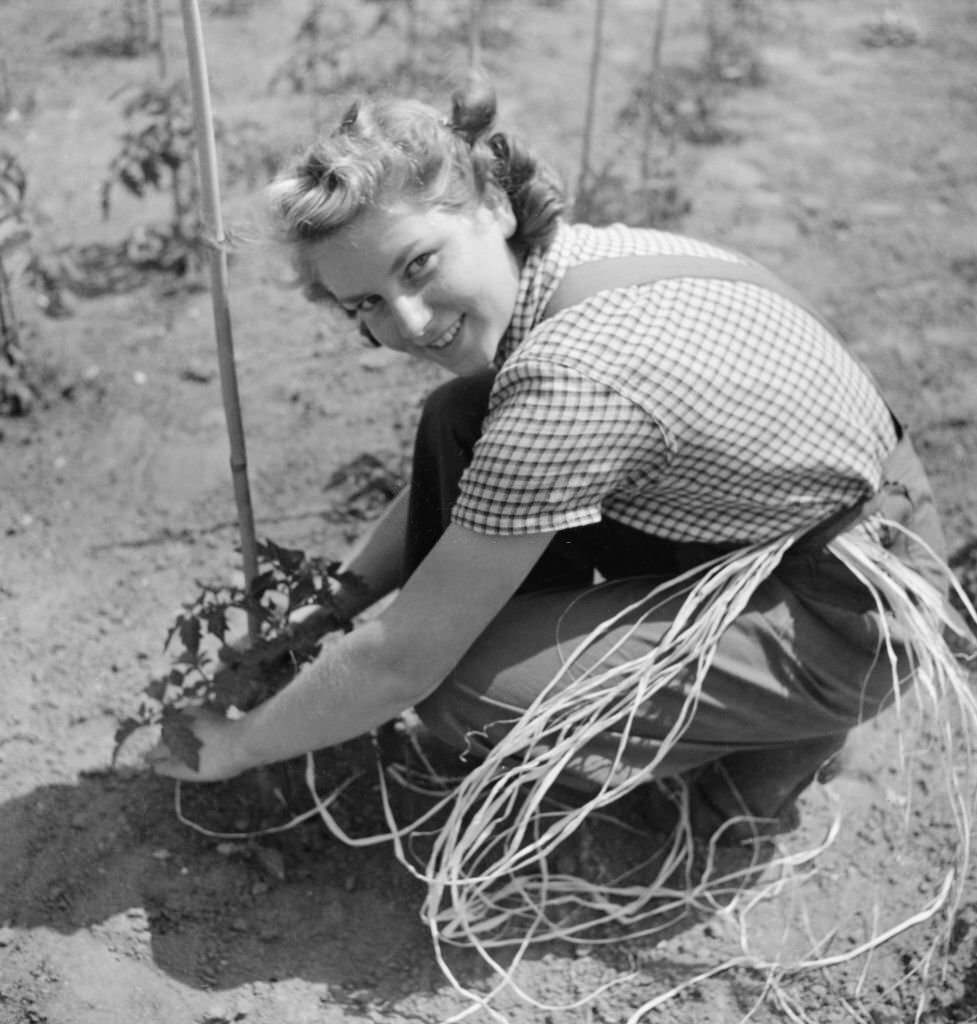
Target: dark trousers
<point>790,677</point>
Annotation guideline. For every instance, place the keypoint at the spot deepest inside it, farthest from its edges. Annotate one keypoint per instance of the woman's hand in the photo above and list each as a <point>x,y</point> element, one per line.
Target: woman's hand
<point>220,751</point>
<point>371,675</point>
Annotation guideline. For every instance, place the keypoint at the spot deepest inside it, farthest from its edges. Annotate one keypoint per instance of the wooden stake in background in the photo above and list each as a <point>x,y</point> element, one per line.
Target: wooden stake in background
<point>213,225</point>
<point>582,199</point>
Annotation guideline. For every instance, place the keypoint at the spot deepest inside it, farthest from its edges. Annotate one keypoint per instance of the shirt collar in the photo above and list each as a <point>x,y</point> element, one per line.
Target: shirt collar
<point>542,271</point>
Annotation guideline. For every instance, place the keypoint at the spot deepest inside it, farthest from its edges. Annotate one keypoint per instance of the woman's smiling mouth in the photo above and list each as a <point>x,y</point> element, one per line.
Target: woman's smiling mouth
<point>444,340</point>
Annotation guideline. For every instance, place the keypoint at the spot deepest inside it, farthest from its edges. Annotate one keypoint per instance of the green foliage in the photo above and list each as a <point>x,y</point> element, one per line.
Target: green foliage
<point>14,232</point>
<point>732,53</point>
<point>230,8</point>
<point>17,234</point>
<point>21,258</point>
<point>617,192</point>
<point>376,47</point>
<point>209,673</point>
<point>682,104</point>
<point>160,144</point>
<point>890,28</point>
<point>642,184</point>
<point>641,179</point>
<point>320,59</point>
<point>13,184</point>
<point>128,30</point>
<point>157,154</point>
<point>16,391</point>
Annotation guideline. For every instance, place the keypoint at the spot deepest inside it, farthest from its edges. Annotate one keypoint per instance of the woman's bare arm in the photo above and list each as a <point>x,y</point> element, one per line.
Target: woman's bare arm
<point>384,666</point>
<point>377,561</point>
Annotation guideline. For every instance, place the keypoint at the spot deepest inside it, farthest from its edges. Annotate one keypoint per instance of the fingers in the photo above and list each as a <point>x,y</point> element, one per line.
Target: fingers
<point>204,749</point>
<point>160,760</point>
<point>157,755</point>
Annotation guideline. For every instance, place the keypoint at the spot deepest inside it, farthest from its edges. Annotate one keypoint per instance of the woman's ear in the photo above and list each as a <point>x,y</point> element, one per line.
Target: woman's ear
<point>498,205</point>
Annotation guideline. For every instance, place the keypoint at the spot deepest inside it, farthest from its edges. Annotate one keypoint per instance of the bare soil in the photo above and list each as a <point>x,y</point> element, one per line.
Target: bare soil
<point>850,169</point>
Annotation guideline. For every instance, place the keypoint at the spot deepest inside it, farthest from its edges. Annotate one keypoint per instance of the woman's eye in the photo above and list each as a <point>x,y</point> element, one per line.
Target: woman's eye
<point>419,264</point>
<point>364,305</point>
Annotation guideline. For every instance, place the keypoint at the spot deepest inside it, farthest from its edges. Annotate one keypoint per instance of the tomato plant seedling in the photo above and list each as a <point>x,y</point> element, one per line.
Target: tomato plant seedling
<point>209,672</point>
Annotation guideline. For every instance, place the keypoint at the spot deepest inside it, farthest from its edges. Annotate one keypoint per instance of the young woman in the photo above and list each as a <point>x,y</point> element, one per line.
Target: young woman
<point>629,408</point>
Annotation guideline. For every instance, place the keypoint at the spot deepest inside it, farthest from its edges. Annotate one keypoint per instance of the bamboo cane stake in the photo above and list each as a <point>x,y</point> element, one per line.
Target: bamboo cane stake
<point>474,33</point>
<point>159,42</point>
<point>210,201</point>
<point>654,87</point>
<point>583,178</point>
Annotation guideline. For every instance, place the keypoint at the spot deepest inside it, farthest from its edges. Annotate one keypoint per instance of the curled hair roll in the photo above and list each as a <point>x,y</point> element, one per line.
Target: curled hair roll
<point>473,108</point>
<point>533,189</point>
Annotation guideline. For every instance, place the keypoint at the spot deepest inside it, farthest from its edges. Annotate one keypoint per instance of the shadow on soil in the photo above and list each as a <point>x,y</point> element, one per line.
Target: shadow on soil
<point>108,856</point>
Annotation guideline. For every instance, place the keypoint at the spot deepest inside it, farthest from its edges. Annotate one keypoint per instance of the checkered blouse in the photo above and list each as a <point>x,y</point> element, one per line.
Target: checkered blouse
<point>693,409</point>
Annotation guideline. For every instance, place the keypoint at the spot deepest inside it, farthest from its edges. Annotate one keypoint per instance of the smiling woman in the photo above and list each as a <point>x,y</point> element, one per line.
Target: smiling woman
<point>661,526</point>
<point>630,405</point>
<point>435,283</point>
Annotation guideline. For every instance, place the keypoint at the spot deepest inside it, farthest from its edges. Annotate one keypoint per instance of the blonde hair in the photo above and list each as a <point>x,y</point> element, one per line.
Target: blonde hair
<point>392,149</point>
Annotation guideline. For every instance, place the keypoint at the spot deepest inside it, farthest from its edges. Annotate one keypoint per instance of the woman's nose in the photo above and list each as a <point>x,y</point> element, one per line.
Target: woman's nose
<point>411,316</point>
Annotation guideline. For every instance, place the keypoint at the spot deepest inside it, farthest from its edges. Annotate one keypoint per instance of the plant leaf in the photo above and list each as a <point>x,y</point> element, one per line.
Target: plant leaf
<point>216,619</point>
<point>290,559</point>
<point>230,686</point>
<point>190,633</point>
<point>303,588</point>
<point>179,737</point>
<point>156,688</point>
<point>262,583</point>
<point>126,728</point>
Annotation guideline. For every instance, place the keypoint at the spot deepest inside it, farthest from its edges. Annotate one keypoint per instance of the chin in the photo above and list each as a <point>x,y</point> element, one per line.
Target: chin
<point>469,363</point>
<point>471,366</point>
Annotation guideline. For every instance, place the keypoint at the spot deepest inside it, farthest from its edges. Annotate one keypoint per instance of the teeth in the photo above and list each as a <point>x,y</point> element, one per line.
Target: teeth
<point>447,338</point>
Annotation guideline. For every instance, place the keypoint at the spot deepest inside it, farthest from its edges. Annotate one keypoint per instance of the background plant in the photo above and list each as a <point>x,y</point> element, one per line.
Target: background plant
<point>639,182</point>
<point>639,178</point>
<point>733,30</point>
<point>23,257</point>
<point>129,29</point>
<point>322,57</point>
<point>157,155</point>
<point>16,393</point>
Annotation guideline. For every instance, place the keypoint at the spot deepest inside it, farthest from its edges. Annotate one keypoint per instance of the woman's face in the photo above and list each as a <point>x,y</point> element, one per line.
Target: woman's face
<point>436,283</point>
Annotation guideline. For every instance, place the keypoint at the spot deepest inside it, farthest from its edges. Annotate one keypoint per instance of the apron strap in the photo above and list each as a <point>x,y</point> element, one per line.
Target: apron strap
<point>587,279</point>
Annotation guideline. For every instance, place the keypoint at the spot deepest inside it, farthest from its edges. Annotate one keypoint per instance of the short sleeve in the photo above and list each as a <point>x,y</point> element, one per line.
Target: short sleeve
<point>555,446</point>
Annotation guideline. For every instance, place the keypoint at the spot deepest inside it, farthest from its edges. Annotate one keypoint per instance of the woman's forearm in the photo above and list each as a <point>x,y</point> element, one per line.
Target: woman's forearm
<point>350,689</point>
<point>376,562</point>
<point>396,659</point>
<point>384,666</point>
